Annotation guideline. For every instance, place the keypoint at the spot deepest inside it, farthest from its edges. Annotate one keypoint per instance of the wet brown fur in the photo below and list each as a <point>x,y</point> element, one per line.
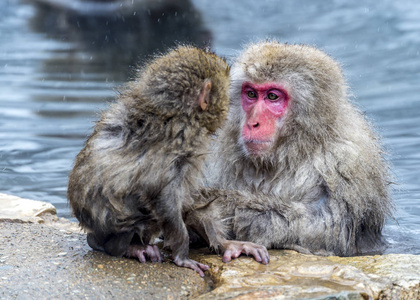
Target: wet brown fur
<point>133,179</point>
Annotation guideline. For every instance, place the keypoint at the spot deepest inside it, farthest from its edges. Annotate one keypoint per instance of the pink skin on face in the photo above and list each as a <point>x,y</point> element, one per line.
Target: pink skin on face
<point>264,104</point>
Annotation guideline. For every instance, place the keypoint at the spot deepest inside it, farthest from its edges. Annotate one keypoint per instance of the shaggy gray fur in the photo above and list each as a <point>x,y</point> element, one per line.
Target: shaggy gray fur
<point>323,188</point>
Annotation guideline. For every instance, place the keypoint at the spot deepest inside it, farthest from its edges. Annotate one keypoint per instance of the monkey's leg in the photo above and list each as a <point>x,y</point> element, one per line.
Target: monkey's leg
<point>179,243</point>
<point>175,232</point>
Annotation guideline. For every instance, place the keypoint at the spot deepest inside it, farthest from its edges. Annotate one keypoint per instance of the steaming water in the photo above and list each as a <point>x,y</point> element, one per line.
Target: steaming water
<point>57,71</point>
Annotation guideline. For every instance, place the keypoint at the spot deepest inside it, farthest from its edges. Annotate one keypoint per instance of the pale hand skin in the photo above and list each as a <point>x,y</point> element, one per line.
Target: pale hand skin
<point>143,252</point>
<point>191,264</point>
<point>232,250</point>
<point>152,253</point>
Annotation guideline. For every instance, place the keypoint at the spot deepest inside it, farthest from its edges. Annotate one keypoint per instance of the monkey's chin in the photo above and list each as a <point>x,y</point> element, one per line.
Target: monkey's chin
<point>257,148</point>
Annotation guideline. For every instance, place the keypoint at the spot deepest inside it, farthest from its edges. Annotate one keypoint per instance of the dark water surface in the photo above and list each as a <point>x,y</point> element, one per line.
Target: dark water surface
<point>58,68</point>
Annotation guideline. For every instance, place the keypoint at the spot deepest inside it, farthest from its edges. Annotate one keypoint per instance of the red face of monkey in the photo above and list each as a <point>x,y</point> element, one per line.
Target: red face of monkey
<point>264,106</point>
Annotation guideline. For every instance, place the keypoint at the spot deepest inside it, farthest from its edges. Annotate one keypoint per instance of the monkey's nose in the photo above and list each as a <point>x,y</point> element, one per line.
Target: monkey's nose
<point>253,125</point>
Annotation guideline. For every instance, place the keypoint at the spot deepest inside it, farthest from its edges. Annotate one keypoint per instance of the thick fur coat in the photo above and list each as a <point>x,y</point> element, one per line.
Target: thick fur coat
<point>324,187</point>
<point>133,179</point>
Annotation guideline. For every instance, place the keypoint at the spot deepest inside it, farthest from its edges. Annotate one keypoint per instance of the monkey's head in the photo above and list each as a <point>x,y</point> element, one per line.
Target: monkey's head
<point>188,81</point>
<point>282,92</point>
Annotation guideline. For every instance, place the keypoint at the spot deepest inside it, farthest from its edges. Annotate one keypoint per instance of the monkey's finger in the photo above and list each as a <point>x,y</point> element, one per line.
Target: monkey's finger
<point>237,253</point>
<point>265,256</point>
<point>154,257</point>
<point>153,253</point>
<point>255,253</point>
<point>227,256</point>
<point>157,253</point>
<point>140,255</point>
<point>203,266</point>
<point>195,266</point>
<point>199,268</point>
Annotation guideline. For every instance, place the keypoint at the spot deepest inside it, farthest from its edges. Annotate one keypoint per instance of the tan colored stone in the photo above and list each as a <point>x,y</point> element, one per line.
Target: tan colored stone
<point>17,209</point>
<point>402,271</point>
<point>291,275</point>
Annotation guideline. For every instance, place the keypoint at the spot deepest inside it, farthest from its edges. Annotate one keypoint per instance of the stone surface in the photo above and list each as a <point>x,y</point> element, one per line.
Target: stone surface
<point>41,262</point>
<point>52,260</point>
<point>17,209</point>
<point>291,275</point>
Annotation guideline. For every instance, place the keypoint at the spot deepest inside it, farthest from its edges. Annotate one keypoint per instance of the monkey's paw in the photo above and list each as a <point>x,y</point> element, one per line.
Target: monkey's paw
<point>192,264</point>
<point>142,252</point>
<point>235,248</point>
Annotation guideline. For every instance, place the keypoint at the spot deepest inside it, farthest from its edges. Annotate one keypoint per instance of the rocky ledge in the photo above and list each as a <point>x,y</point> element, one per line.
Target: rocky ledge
<point>43,256</point>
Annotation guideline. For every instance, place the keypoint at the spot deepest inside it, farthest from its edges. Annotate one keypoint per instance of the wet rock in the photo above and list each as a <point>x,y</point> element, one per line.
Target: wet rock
<point>17,209</point>
<point>291,275</point>
<point>45,263</point>
<point>52,260</point>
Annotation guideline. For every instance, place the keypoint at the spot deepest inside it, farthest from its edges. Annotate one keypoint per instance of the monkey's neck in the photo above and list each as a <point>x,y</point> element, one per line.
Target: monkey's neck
<point>186,135</point>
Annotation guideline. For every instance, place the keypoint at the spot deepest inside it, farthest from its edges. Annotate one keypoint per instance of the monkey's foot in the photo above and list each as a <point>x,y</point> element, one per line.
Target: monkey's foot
<point>192,264</point>
<point>235,248</point>
<point>142,252</point>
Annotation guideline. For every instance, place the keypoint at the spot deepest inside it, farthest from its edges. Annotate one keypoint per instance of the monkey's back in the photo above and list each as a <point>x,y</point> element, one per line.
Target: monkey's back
<point>120,172</point>
<point>148,144</point>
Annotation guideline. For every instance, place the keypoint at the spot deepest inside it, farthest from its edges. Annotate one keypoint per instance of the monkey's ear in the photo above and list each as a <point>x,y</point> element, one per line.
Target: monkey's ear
<point>204,96</point>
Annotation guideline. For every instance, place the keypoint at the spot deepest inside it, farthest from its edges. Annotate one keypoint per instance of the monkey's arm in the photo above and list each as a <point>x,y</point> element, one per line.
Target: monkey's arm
<point>205,220</point>
<point>322,226</point>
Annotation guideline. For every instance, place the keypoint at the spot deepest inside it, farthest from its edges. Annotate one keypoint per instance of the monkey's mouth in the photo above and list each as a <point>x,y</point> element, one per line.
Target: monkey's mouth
<point>257,147</point>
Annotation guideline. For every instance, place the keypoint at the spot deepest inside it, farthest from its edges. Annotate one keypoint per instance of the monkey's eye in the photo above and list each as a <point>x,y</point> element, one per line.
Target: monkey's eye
<point>251,94</point>
<point>272,96</point>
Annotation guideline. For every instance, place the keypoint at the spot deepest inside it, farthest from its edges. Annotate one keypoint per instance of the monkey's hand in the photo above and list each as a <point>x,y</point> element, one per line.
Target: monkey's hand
<point>142,252</point>
<point>192,264</point>
<point>232,249</point>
